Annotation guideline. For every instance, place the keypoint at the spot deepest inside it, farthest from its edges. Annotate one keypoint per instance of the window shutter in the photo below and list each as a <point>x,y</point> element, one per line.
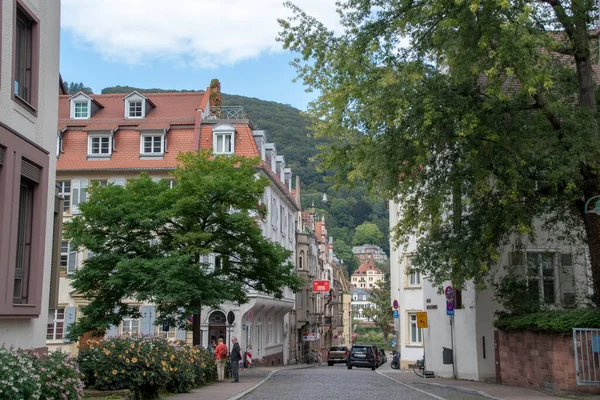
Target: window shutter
<point>30,171</point>
<point>567,280</point>
<point>148,317</point>
<point>2,155</point>
<point>69,320</point>
<point>72,261</point>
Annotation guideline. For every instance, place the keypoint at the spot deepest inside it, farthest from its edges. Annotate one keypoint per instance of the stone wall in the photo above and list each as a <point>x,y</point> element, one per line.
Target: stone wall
<point>269,361</point>
<point>541,361</point>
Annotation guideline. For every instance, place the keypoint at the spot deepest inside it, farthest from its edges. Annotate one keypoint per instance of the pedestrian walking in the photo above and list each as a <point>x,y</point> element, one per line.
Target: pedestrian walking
<point>221,358</point>
<point>235,357</point>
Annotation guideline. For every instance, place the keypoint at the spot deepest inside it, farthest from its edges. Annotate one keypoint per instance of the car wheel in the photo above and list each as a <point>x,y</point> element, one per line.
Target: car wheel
<point>373,368</point>
<point>329,364</point>
<point>349,366</point>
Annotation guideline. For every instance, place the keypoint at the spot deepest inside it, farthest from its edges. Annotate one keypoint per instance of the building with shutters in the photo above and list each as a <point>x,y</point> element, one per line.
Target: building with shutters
<point>366,251</point>
<point>557,276</point>
<point>367,276</point>
<point>29,86</point>
<point>111,138</point>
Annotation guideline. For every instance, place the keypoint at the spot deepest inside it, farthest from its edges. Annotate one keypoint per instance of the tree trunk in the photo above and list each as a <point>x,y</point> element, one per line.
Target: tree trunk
<point>196,331</point>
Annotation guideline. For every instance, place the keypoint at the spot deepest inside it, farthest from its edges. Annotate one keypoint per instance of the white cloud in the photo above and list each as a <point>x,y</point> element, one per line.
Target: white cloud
<point>206,33</point>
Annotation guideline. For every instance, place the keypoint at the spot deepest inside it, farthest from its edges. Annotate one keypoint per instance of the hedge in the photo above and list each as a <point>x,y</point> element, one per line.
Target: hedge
<point>561,322</point>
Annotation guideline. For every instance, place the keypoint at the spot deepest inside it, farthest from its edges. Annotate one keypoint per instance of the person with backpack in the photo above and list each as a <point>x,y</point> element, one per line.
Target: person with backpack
<point>221,357</point>
<point>236,358</point>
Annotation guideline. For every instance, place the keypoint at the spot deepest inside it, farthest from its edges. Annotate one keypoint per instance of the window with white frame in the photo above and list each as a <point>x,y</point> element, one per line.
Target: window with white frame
<point>283,220</point>
<point>224,139</point>
<point>99,145</point>
<point>64,190</point>
<point>416,336</point>
<point>68,257</point>
<point>56,325</point>
<point>414,279</point>
<point>78,194</point>
<point>81,109</point>
<point>152,144</point>
<point>541,279</point>
<point>130,326</point>
<point>135,109</point>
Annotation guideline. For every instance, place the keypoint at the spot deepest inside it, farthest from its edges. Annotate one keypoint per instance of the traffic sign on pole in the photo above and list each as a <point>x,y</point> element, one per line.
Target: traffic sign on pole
<point>395,304</point>
<point>422,320</point>
<point>250,316</point>
<point>395,314</point>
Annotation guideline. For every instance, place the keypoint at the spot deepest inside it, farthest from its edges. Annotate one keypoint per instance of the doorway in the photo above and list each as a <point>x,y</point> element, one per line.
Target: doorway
<point>216,327</point>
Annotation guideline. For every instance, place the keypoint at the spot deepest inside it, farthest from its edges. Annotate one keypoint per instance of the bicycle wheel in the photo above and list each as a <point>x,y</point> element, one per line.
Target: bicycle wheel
<point>418,369</point>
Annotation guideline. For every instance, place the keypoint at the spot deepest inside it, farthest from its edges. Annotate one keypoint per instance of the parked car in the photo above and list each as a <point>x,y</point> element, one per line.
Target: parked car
<point>377,355</point>
<point>363,355</point>
<point>382,357</point>
<point>337,354</point>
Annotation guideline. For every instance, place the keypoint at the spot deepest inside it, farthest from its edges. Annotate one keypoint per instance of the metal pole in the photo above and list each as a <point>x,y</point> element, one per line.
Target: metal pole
<point>452,345</point>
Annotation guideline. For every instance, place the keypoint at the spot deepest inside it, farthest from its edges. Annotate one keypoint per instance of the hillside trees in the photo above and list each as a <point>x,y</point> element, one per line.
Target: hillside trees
<point>151,243</point>
<point>480,118</point>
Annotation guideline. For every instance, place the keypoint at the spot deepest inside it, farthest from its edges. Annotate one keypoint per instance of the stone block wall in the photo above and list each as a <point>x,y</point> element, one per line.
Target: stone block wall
<point>540,361</point>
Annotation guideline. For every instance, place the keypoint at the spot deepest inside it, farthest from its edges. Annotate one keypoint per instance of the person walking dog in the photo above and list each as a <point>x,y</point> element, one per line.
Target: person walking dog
<point>221,357</point>
<point>235,357</point>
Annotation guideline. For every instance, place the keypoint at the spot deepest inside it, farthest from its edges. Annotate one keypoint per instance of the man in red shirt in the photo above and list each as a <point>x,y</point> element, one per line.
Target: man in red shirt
<point>221,356</point>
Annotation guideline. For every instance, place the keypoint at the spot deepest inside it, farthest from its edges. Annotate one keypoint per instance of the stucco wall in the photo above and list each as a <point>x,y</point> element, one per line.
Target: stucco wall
<point>40,129</point>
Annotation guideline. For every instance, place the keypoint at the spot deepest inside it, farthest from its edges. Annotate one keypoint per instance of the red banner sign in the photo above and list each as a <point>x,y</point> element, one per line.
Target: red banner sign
<point>320,286</point>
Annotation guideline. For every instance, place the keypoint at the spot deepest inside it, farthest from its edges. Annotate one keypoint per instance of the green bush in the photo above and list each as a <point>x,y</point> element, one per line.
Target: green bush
<point>550,321</point>
<point>27,376</point>
<point>146,366</point>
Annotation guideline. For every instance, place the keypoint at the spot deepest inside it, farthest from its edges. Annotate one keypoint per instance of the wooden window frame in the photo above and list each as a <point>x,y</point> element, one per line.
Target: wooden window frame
<point>32,64</point>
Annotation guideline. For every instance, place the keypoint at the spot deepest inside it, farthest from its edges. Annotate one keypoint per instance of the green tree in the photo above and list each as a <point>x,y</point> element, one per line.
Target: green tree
<point>367,233</point>
<point>485,122</point>
<point>148,243</point>
<point>74,88</point>
<point>344,253</point>
<point>340,210</point>
<point>382,314</point>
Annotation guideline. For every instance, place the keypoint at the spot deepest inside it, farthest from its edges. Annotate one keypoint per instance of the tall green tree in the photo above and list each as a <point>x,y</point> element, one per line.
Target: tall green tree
<point>382,314</point>
<point>367,233</point>
<point>344,253</point>
<point>478,117</point>
<point>149,243</point>
<point>74,88</point>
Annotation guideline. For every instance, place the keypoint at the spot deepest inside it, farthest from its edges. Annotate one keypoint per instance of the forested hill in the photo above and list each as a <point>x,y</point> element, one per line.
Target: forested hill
<point>288,129</point>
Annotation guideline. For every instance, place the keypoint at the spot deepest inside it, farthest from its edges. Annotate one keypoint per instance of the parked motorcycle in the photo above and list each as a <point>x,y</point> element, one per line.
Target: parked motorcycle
<point>395,364</point>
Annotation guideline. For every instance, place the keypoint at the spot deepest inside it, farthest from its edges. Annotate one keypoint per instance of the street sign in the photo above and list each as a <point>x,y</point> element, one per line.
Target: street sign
<point>309,337</point>
<point>393,342</point>
<point>395,314</point>
<point>166,326</point>
<point>335,336</point>
<point>449,293</point>
<point>450,308</point>
<point>250,316</point>
<point>422,320</point>
<point>230,317</point>
<point>395,304</point>
<point>320,286</point>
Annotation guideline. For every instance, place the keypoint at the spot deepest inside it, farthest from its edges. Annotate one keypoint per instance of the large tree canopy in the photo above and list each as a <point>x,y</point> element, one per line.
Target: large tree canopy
<point>150,242</point>
<point>479,117</point>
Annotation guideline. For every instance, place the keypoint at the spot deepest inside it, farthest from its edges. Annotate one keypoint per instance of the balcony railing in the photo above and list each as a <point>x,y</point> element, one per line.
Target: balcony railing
<point>226,112</point>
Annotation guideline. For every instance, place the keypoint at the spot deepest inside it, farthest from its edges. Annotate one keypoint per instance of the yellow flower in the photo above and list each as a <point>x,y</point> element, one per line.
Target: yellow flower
<point>127,360</point>
<point>95,374</point>
<point>107,352</point>
<point>134,360</point>
<point>152,359</point>
<point>114,371</point>
<point>112,345</point>
<point>165,354</point>
<point>132,345</point>
<point>122,371</point>
<point>144,373</point>
<point>126,351</point>
<point>176,368</point>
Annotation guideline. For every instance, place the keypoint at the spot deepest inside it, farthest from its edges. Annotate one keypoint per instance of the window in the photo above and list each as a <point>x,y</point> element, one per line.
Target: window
<point>301,260</point>
<point>64,190</point>
<point>415,332</point>
<point>283,220</point>
<point>135,109</point>
<point>414,279</point>
<point>24,235</point>
<point>25,57</point>
<point>224,143</point>
<point>81,110</point>
<point>99,182</point>
<point>79,194</point>
<point>56,327</point>
<point>130,326</point>
<point>274,213</point>
<point>99,145</point>
<point>152,145</point>
<point>540,276</point>
<point>68,257</point>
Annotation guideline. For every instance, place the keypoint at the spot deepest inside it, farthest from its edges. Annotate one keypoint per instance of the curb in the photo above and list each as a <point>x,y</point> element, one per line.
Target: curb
<point>459,388</point>
<point>246,392</point>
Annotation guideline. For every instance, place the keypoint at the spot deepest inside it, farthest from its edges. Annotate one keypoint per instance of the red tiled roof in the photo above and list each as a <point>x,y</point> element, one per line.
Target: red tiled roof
<point>153,125</point>
<point>245,145</point>
<point>368,266</point>
<point>110,126</point>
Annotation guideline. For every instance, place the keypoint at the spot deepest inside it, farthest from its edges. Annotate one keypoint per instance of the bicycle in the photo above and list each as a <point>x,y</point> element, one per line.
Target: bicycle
<point>419,367</point>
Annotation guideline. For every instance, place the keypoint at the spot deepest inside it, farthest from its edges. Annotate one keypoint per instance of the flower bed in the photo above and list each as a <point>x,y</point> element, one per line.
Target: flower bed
<point>28,376</point>
<point>146,366</point>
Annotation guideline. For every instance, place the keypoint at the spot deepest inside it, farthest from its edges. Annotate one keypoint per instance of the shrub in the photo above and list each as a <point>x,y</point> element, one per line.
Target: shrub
<point>550,321</point>
<point>27,376</point>
<point>144,365</point>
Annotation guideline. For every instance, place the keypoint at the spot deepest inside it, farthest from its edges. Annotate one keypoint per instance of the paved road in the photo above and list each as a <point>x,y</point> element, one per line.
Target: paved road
<point>337,382</point>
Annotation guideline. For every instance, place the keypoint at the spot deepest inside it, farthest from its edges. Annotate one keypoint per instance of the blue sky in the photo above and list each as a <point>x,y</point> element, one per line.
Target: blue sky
<point>153,44</point>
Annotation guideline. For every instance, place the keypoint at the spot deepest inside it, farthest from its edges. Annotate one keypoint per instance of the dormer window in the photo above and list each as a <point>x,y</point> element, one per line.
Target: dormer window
<point>99,145</point>
<point>224,139</point>
<point>137,105</point>
<point>152,144</point>
<point>82,110</point>
<point>135,109</point>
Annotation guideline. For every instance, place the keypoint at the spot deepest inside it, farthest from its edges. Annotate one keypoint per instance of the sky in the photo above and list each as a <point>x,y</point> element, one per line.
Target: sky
<point>183,44</point>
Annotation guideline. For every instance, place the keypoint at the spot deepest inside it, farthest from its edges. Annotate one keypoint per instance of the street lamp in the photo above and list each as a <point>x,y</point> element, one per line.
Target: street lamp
<point>596,209</point>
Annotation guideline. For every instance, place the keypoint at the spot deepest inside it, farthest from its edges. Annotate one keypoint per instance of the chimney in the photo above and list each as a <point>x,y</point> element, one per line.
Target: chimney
<point>270,154</point>
<point>215,98</point>
<point>280,160</point>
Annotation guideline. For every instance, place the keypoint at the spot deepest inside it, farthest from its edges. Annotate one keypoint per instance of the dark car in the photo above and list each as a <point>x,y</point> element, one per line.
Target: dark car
<point>364,356</point>
<point>337,354</point>
<point>382,357</point>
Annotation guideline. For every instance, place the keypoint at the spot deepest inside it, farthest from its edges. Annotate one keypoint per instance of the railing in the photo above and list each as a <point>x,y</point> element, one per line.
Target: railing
<point>225,112</point>
<point>587,356</point>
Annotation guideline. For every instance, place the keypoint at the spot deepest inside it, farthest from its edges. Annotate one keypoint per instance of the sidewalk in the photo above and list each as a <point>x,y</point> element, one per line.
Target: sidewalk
<point>249,378</point>
<point>491,390</point>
